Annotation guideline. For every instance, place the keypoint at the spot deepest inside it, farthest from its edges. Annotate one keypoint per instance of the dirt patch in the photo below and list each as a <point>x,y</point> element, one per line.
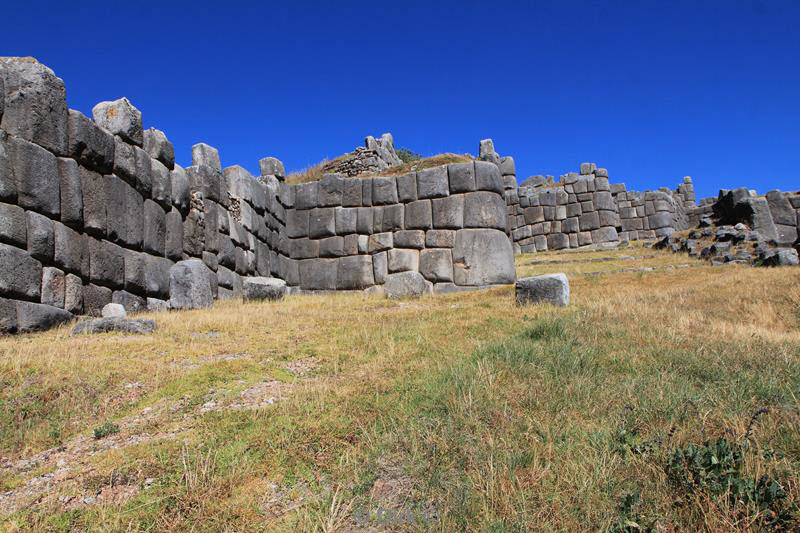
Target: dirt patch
<point>301,367</point>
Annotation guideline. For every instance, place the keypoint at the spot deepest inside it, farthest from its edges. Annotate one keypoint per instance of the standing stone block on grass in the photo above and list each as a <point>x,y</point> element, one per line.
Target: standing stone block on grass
<point>73,294</point>
<point>121,118</point>
<point>263,288</point>
<point>113,310</point>
<point>407,285</point>
<point>482,257</point>
<point>35,103</point>
<point>189,285</point>
<point>355,272</point>
<point>436,264</point>
<point>550,289</point>
<point>39,317</point>
<point>401,260</point>
<point>318,274</point>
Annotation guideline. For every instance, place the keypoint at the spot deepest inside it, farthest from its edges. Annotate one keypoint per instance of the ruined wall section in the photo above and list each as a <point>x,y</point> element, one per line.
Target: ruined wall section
<point>447,223</point>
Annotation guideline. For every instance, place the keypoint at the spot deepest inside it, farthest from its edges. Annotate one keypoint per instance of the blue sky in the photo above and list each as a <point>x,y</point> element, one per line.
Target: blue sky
<point>651,90</point>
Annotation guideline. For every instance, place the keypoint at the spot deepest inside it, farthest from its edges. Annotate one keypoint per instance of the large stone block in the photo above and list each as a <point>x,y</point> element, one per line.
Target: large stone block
<point>433,182</point>
<point>507,166</point>
<point>589,221</point>
<point>346,220</point>
<point>549,289</point>
<point>157,276</point>
<point>158,147</point>
<point>20,274</point>
<point>35,103</point>
<point>116,219</point>
<point>329,191</point>
<point>306,195</point>
<point>161,190</point>
<point>39,317</point>
<point>355,272</point>
<point>384,191</point>
<point>401,260</point>
<point>73,294</point>
<point>604,200</point>
<point>40,236</point>
<point>462,177</point>
<point>106,263</point>
<point>661,219</point>
<point>206,180</point>
<point>557,241</point>
<point>365,220</point>
<point>90,144</point>
<point>436,264</point>
<point>321,222</point>
<point>134,215</point>
<point>70,191</point>
<point>130,303</point>
<point>331,247</point>
<point>173,240</point>
<point>393,217</point>
<point>482,257</point>
<point>487,177</point>
<point>13,225</point>
<point>409,239</point>
<point>380,267</point>
<point>606,234</point>
<point>304,248</point>
<point>448,213</point>
<point>351,192</point>
<point>206,155</point>
<point>121,118</point>
<point>407,187</point>
<point>271,166</point>
<point>8,183</point>
<point>263,288</point>
<point>484,210</point>
<point>406,285</point>
<point>418,215</point>
<point>180,188</point>
<point>318,274</point>
<point>69,249</point>
<point>190,285</point>
<point>153,239</point>
<point>95,297</point>
<point>135,272</point>
<point>296,223</point>
<point>380,242</point>
<point>36,177</point>
<point>440,238</point>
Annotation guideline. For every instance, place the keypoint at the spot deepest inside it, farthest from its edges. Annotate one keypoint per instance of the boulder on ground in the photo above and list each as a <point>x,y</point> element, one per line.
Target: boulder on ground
<point>110,324</point>
<point>113,310</point>
<point>407,284</point>
<point>263,288</point>
<point>190,285</point>
<point>550,288</point>
<point>780,257</point>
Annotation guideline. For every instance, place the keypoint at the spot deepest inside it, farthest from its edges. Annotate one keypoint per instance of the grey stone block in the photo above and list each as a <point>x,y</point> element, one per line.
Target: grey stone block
<point>448,213</point>
<point>557,241</point>
<point>366,193</point>
<point>436,264</point>
<point>125,161</point>
<point>161,190</point>
<point>158,147</point>
<point>35,103</point>
<point>355,272</point>
<point>70,192</point>
<point>153,240</point>
<point>306,195</point>
<point>13,225</point>
<point>507,166</point>
<point>351,192</point>
<point>589,221</point>
<point>212,261</point>
<point>173,239</point>
<point>263,288</point>
<point>570,225</point>
<point>461,177</point>
<point>190,285</point>
<point>206,155</point>
<point>69,248</point>
<point>39,317</point>
<point>440,238</point>
<point>407,187</point>
<point>114,324</point>
<point>418,215</point>
<point>304,248</point>
<point>393,217</point>
<point>482,257</point>
<point>487,177</point>
<point>484,210</point>
<point>351,244</point>
<point>331,247</point>
<point>206,180</point>
<point>533,214</point>
<point>116,221</point>
<point>40,236</point>
<point>90,144</point>
<point>95,297</point>
<point>53,287</point>
<point>129,302</point>
<point>606,234</point>
<point>584,238</point>
<point>321,223</point>
<point>433,182</point>
<point>296,223</point>
<point>609,218</point>
<point>384,191</point>
<point>329,191</point>
<point>36,177</point>
<point>134,216</point>
<point>20,274</point>
<point>401,260</point>
<point>179,184</point>
<point>409,239</point>
<point>604,200</point>
<point>135,274</point>
<point>406,285</point>
<point>346,220</point>
<point>318,274</point>
<point>121,118</point>
<point>661,219</point>
<point>380,267</point>
<point>73,294</point>
<point>106,263</point>
<point>549,289</point>
<point>379,242</point>
<point>144,172</point>
<point>8,183</point>
<point>365,220</point>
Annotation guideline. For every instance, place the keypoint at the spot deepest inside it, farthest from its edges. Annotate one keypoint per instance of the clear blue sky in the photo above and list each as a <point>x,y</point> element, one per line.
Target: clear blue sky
<point>651,90</point>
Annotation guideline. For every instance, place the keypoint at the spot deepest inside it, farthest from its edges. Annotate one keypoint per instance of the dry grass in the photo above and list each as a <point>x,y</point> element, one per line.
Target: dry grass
<point>315,172</point>
<point>458,412</point>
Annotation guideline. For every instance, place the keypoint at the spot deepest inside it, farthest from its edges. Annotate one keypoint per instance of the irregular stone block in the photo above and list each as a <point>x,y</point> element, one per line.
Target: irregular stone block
<point>153,240</point>
<point>106,263</point>
<point>433,182</point>
<point>39,317</point>
<point>70,191</point>
<point>304,248</point>
<point>384,191</point>
<point>161,190</point>
<point>461,177</point>
<point>154,304</point>
<point>135,272</point>
<point>13,225</point>
<point>114,309</point>
<point>609,218</point>
<point>401,260</point>
<point>121,118</point>
<point>365,220</point>
<point>363,244</point>
<point>20,274</point>
<point>53,286</point>
<point>40,236</point>
<point>507,166</point>
<point>179,184</point>
<point>606,234</point>
<point>173,240</point>
<point>36,177</point>
<point>482,257</point>
<point>418,215</point>
<point>206,155</point>
<point>329,191</point>
<point>406,285</point>
<point>589,221</point>
<point>134,215</point>
<point>380,242</point>
<point>487,177</point>
<point>409,239</point>
<point>436,264</point>
<point>321,223</point>
<point>660,219</point>
<point>351,192</point>
<point>331,247</point>
<point>440,238</point>
<point>116,223</point>
<point>95,298</point>
<point>190,285</point>
<point>318,274</point>
<point>73,294</point>
<point>407,187</point>
<point>158,147</point>
<point>346,220</point>
<point>393,217</point>
<point>90,144</point>
<point>484,210</point>
<point>557,241</point>
<point>355,273</point>
<point>550,289</point>
<point>109,325</point>
<point>271,166</point>
<point>380,267</point>
<point>263,288</point>
<point>205,180</point>
<point>35,103</point>
<point>69,248</point>
<point>448,213</point>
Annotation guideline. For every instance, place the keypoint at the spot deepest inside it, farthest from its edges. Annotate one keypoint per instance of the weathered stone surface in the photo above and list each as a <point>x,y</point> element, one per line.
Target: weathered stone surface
<point>121,118</point>
<point>90,144</point>
<point>365,220</point>
<point>206,155</point>
<point>70,249</point>
<point>418,215</point>
<point>605,234</point>
<point>106,263</point>
<point>36,177</point>
<point>433,182</point>
<point>482,257</point>
<point>406,285</point>
<point>306,195</point>
<point>407,187</point>
<point>393,217</point>
<point>660,219</point>
<point>94,298</point>
<point>346,220</point>
<point>318,274</point>
<point>131,302</point>
<point>331,247</point>
<point>589,221</point>
<point>53,285</point>
<point>173,240</point>
<point>321,222</point>
<point>781,257</point>
<point>329,191</point>
<point>507,166</point>
<point>155,228</point>
<point>448,213</point>
<point>35,103</point>
<point>409,239</point>
<point>380,242</point>
<point>401,260</point>
<point>557,241</point>
<point>380,267</point>
<point>271,166</point>
<point>440,238</point>
<point>73,294</point>
<point>487,177</point>
<point>114,324</point>
<point>180,188</point>
<point>20,274</point>
<point>384,191</point>
<point>355,272</point>
<point>190,285</point>
<point>351,192</point>
<point>263,288</point>
<point>70,192</point>
<point>13,225</point>
<point>37,317</point>
<point>113,310</point>
<point>550,288</point>
<point>158,147</point>
<point>161,190</point>
<point>155,304</point>
<point>436,264</point>
<point>484,210</point>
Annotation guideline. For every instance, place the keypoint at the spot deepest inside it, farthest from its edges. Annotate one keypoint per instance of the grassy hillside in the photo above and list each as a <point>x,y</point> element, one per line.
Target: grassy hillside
<point>665,397</point>
<point>315,172</point>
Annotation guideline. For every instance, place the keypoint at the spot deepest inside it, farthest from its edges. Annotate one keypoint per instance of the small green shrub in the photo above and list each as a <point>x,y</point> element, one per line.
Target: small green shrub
<point>109,428</point>
<point>407,156</point>
<point>631,521</point>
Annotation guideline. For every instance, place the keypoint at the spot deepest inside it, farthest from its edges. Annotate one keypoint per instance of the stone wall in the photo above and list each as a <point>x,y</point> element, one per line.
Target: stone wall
<point>447,223</point>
